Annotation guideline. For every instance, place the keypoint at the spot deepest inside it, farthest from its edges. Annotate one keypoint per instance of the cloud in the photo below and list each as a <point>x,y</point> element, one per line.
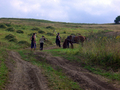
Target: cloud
<point>82,11</point>
<point>24,6</point>
<point>49,9</point>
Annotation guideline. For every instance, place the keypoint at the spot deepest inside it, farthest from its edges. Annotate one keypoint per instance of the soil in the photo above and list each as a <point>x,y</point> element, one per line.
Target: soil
<point>25,76</point>
<point>86,79</point>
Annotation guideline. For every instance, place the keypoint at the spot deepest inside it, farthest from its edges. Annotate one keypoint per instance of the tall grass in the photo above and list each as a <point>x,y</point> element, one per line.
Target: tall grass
<point>99,50</point>
<point>103,52</point>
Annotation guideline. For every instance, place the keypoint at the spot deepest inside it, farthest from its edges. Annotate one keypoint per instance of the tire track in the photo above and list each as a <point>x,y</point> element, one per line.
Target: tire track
<point>86,80</point>
<point>24,75</point>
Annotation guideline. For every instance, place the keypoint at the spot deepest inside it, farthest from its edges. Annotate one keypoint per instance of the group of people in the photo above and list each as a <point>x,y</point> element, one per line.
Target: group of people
<point>41,40</point>
<point>33,42</point>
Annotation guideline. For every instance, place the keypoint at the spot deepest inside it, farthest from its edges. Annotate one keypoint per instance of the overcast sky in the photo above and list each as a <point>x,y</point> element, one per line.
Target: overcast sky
<point>75,11</point>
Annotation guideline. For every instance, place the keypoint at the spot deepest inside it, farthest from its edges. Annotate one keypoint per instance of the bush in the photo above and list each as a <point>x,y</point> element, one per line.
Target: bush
<point>11,38</point>
<point>35,28</point>
<point>30,34</point>
<point>40,31</point>
<point>23,43</point>
<point>64,32</point>
<point>3,26</point>
<point>7,24</point>
<point>20,31</point>
<point>11,29</point>
<point>50,27</point>
<point>73,34</point>
<point>50,34</point>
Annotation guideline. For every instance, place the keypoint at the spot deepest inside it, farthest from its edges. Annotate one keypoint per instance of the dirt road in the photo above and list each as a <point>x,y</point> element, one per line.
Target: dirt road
<point>24,75</point>
<point>86,80</point>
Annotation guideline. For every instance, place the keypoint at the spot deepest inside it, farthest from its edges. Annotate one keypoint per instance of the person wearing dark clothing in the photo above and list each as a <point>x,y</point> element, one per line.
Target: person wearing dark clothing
<point>42,42</point>
<point>58,40</point>
<point>33,42</point>
<point>68,40</point>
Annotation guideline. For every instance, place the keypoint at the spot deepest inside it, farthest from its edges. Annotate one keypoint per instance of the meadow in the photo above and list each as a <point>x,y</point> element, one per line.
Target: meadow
<point>100,53</point>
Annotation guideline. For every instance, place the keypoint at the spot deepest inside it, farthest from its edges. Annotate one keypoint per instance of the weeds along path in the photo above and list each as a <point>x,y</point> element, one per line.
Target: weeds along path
<point>24,75</point>
<point>86,80</point>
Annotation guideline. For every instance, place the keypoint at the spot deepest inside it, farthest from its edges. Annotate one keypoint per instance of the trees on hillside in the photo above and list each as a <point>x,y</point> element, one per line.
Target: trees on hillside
<point>117,20</point>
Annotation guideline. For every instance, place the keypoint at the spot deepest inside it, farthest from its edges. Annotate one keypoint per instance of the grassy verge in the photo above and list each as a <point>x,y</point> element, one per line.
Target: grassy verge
<point>73,56</point>
<point>56,79</point>
<point>3,69</point>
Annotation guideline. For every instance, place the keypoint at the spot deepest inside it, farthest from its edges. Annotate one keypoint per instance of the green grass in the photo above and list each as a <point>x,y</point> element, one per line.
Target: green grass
<point>102,52</point>
<point>57,79</point>
<point>96,52</point>
<point>109,74</point>
<point>3,69</point>
<point>71,54</point>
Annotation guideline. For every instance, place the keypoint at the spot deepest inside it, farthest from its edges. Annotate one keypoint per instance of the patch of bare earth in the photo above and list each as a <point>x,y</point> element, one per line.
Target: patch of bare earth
<point>86,79</point>
<point>24,75</point>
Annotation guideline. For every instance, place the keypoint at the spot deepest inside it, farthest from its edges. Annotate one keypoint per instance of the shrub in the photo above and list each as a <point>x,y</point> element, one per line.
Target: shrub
<point>35,28</point>
<point>30,34</point>
<point>40,31</point>
<point>7,24</point>
<point>11,29</point>
<point>20,31</point>
<point>3,26</point>
<point>23,43</point>
<point>50,34</point>
<point>50,27</point>
<point>64,32</point>
<point>73,34</point>
<point>11,38</point>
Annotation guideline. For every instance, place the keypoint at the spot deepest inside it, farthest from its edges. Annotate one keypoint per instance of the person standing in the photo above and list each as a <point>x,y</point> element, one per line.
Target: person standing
<point>58,40</point>
<point>42,42</point>
<point>33,42</point>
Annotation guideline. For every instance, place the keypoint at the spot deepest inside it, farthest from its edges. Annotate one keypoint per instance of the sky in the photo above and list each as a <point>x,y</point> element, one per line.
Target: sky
<point>70,11</point>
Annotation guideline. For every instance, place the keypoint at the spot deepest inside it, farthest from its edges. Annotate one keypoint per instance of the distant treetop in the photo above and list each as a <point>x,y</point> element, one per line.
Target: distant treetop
<point>117,20</point>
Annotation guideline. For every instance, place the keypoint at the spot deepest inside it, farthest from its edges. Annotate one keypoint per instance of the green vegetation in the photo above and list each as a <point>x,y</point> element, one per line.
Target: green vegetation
<point>35,28</point>
<point>50,27</point>
<point>11,38</point>
<point>24,43</point>
<point>3,68</point>
<point>3,26</point>
<point>20,31</point>
<point>40,31</point>
<point>100,53</point>
<point>56,79</point>
<point>10,29</point>
<point>117,20</point>
<point>50,34</point>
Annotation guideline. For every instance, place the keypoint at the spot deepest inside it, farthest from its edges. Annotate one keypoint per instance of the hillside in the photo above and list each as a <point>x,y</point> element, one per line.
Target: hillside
<point>96,65</point>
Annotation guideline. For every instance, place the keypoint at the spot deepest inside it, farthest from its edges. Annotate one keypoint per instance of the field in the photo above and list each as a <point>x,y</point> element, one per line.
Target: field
<point>100,54</point>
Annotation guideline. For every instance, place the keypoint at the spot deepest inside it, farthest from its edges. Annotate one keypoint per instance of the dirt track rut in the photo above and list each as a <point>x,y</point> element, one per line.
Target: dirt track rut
<point>86,80</point>
<point>24,75</point>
